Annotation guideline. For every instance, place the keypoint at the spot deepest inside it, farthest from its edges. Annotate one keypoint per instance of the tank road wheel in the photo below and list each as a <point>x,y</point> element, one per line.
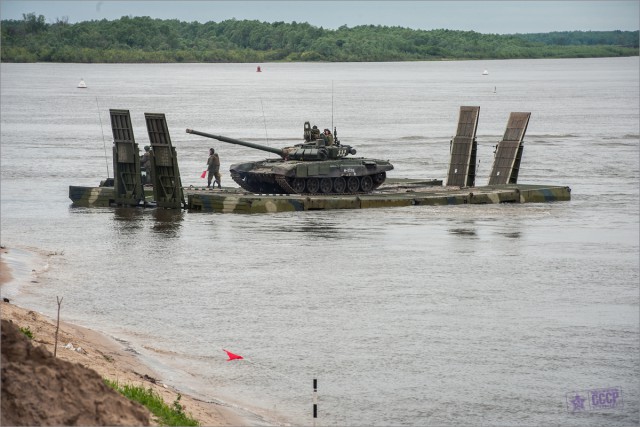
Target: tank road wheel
<point>339,185</point>
<point>353,184</point>
<point>298,185</point>
<point>313,185</point>
<point>379,178</point>
<point>366,184</point>
<point>326,185</point>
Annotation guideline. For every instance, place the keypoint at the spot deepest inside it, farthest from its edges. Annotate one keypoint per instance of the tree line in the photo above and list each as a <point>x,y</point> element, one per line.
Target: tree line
<point>143,39</point>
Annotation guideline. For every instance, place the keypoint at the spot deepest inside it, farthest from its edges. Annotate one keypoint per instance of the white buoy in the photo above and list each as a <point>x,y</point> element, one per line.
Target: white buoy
<point>82,84</point>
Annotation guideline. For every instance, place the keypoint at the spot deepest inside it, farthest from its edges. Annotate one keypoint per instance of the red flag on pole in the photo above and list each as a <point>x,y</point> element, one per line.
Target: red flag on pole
<point>232,356</point>
<point>204,174</point>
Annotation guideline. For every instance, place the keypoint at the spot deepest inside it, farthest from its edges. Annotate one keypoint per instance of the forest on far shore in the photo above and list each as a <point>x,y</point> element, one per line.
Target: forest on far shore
<point>143,39</point>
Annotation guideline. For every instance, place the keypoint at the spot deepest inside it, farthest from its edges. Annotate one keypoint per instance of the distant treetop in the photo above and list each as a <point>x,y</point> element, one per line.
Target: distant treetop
<point>143,39</point>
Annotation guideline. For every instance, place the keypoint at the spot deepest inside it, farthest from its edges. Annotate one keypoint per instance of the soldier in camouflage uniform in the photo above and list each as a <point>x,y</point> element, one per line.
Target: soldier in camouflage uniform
<point>328,138</point>
<point>213,166</point>
<point>315,133</point>
<point>145,162</point>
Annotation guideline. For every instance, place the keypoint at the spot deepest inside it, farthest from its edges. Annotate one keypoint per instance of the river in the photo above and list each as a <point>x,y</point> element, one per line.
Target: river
<point>451,315</point>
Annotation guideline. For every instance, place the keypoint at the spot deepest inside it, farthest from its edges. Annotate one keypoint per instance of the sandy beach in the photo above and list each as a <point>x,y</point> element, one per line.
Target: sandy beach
<point>108,358</point>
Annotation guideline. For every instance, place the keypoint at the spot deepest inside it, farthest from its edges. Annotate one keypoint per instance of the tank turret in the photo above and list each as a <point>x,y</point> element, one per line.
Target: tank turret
<point>317,166</point>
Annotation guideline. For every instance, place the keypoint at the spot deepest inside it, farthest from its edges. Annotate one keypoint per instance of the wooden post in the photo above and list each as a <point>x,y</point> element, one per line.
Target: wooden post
<point>55,347</point>
<point>315,401</point>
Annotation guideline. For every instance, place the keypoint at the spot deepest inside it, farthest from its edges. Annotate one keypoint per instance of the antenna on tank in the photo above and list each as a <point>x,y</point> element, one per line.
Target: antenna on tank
<point>264,120</point>
<point>335,131</point>
<point>103,140</point>
<point>332,106</point>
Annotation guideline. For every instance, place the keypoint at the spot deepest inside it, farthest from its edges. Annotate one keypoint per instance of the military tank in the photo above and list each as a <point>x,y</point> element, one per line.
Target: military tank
<point>318,166</point>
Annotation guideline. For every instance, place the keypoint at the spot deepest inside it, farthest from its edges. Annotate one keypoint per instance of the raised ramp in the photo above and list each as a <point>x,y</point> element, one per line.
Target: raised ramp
<point>165,176</point>
<point>506,164</point>
<point>126,160</point>
<point>462,168</point>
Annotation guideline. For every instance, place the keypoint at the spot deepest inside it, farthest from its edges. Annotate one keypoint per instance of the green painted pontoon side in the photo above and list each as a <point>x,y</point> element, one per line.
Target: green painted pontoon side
<point>401,193</point>
<point>207,201</point>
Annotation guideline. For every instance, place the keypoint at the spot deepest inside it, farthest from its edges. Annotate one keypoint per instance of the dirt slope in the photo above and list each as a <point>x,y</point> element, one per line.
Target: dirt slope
<point>38,389</point>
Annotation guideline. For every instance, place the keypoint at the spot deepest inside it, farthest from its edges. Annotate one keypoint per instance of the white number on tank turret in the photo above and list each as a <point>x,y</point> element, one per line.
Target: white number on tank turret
<point>348,171</point>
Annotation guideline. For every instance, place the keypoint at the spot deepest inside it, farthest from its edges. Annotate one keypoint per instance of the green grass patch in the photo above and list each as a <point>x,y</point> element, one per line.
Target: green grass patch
<point>27,332</point>
<point>167,415</point>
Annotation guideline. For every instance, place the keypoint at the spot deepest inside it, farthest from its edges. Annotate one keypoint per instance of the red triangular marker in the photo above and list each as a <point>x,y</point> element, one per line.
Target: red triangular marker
<point>204,174</point>
<point>232,356</point>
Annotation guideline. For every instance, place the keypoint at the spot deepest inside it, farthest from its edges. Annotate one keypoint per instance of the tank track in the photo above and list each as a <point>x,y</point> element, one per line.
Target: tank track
<point>284,183</point>
<point>286,187</point>
<point>256,185</point>
<point>242,183</point>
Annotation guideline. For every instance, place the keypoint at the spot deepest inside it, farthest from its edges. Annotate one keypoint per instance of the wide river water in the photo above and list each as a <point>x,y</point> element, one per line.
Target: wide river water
<point>453,315</point>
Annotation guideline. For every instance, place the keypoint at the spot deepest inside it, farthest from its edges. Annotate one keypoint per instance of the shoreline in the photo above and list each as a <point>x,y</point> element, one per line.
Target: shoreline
<point>111,359</point>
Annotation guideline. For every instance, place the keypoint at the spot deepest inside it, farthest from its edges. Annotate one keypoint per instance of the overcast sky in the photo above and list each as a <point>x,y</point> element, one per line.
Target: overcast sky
<point>501,17</point>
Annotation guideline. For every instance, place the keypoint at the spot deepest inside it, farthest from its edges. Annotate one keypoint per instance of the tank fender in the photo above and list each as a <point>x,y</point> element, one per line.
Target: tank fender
<point>243,167</point>
<point>369,164</point>
<point>300,171</point>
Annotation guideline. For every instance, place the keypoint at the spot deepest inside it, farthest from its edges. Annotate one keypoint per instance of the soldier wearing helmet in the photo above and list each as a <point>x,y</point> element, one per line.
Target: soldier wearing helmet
<point>315,133</point>
<point>328,138</point>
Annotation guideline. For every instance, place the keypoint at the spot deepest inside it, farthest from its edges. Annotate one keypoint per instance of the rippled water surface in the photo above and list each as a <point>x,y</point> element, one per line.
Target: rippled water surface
<point>406,316</point>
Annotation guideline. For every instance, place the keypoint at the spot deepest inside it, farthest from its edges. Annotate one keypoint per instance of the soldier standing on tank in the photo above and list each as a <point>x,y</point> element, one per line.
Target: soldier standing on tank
<point>328,138</point>
<point>315,133</point>
<point>145,162</point>
<point>213,166</point>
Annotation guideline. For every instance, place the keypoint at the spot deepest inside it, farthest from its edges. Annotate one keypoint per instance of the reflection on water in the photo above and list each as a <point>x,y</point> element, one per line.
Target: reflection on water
<point>128,219</point>
<point>122,213</point>
<point>512,235</point>
<point>318,228</point>
<point>312,226</point>
<point>463,231</point>
<point>135,219</point>
<point>466,227</point>
<point>168,221</point>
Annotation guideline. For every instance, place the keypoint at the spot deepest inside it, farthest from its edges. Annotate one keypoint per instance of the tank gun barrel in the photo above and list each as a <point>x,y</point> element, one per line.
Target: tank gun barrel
<point>277,151</point>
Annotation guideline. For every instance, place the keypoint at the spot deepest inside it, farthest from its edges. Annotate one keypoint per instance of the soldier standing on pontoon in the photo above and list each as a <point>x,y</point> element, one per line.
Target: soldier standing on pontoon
<point>213,166</point>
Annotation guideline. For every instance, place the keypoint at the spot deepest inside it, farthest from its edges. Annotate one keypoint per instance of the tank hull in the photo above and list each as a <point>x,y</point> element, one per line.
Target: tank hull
<point>339,176</point>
